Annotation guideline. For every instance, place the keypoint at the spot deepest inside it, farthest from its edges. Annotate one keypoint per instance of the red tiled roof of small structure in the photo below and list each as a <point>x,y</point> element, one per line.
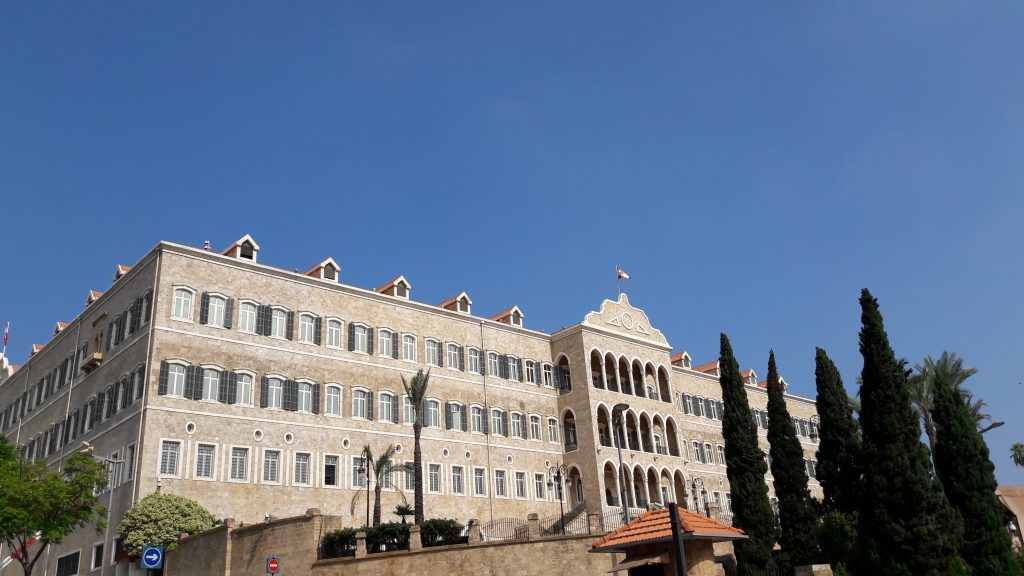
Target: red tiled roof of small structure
<point>763,384</point>
<point>123,269</point>
<point>707,367</point>
<point>384,287</point>
<point>95,294</point>
<point>503,313</point>
<point>656,525</point>
<point>452,300</point>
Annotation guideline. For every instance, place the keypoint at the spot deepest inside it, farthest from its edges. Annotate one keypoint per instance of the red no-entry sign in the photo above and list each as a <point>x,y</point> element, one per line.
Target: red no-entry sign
<point>273,565</point>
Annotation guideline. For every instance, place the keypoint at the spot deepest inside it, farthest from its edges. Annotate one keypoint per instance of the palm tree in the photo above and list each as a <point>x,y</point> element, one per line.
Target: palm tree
<point>1017,454</point>
<point>417,392</point>
<point>920,384</point>
<point>404,510</point>
<point>382,467</point>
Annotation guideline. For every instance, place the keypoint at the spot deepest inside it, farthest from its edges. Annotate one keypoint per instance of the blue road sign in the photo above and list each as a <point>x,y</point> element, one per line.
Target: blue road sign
<point>152,557</point>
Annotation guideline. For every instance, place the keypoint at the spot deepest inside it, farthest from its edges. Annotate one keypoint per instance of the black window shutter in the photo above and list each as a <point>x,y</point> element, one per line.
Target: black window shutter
<point>519,362</point>
<point>394,409</point>
<point>204,308</point>
<point>369,405</point>
<point>447,415</point>
<point>193,382</point>
<point>462,359</point>
<point>125,393</point>
<point>224,385</point>
<point>124,327</point>
<point>351,337</point>
<point>441,351</point>
<point>231,386</point>
<point>229,312</point>
<point>261,315</point>
<point>487,420</point>
<point>559,378</point>
<point>504,423</point>
<point>394,345</point>
<point>503,366</point>
<point>149,304</point>
<point>318,327</point>
<point>264,391</point>
<point>291,395</point>
<point>110,327</point>
<point>369,341</point>
<point>136,315</point>
<point>162,387</point>
<point>465,409</point>
<point>316,398</point>
<point>289,329</point>
<point>268,319</point>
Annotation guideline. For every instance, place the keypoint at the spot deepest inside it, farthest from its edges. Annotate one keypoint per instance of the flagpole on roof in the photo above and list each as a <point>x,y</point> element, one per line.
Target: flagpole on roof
<point>7,330</point>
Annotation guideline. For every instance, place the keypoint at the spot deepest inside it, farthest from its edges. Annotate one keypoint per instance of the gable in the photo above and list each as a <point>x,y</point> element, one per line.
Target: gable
<point>620,316</point>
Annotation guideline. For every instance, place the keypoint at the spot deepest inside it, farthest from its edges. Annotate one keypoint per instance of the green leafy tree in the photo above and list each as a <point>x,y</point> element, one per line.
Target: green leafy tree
<point>404,510</point>
<point>797,517</point>
<point>381,466</point>
<point>968,478</point>
<point>922,387</point>
<point>43,505</point>
<point>1017,453</point>
<point>161,519</point>
<point>838,470</point>
<point>906,527</point>
<point>417,392</point>
<point>746,468</point>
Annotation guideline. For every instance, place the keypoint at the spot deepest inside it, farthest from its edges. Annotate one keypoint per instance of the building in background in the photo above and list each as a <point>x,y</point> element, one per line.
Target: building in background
<point>253,390</point>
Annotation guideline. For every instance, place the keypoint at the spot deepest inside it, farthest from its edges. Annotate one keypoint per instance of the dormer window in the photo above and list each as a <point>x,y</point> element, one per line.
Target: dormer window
<point>401,290</point>
<point>326,270</point>
<point>464,305</point>
<point>517,318</point>
<point>458,303</point>
<point>512,316</point>
<point>398,287</point>
<point>245,248</point>
<point>330,273</point>
<point>247,251</point>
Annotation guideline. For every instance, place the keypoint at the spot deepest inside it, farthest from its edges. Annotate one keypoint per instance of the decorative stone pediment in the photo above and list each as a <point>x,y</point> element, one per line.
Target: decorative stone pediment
<point>621,316</point>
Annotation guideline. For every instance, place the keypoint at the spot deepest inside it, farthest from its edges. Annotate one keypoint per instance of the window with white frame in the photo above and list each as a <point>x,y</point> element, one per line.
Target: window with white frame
<point>279,323</point>
<point>211,384</point>
<point>432,414</point>
<point>492,363</point>
<point>513,368</point>
<point>275,392</point>
<point>331,471</point>
<point>386,345</point>
<point>477,416</point>
<point>215,310</point>
<point>170,450</point>
<point>409,347</point>
<point>387,405</point>
<point>360,398</point>
<point>453,356</point>
<point>520,484</point>
<point>410,478</point>
<point>518,425</point>
<point>535,427</point>
<point>332,401</point>
<point>549,378</point>
<point>334,333</point>
<point>362,338</point>
<point>305,397</point>
<point>456,416</point>
<point>500,489</point>
<point>272,466</point>
<point>97,556</point>
<point>433,353</point>
<point>698,455</point>
<point>408,412</point>
<point>552,430</point>
<point>538,486</point>
<point>721,454</point>
<point>204,461</point>
<point>243,389</point>
<point>301,473</point>
<point>358,472</point>
<point>457,480</point>
<point>247,317</point>
<point>68,565</point>
<point>479,482</point>
<point>709,455</point>
<point>434,478</point>
<point>531,371</point>
<point>497,422</point>
<point>182,304</point>
<point>239,463</point>
<point>385,477</point>
<point>176,380</point>
<point>474,361</point>
<point>306,328</point>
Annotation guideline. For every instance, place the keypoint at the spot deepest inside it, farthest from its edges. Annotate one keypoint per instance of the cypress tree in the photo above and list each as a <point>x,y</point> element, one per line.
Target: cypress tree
<point>797,517</point>
<point>967,474</point>
<point>745,467</point>
<point>906,527</point>
<point>838,470</point>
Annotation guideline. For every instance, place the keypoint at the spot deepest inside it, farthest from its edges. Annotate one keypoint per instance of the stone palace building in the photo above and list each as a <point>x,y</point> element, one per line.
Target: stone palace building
<point>253,390</point>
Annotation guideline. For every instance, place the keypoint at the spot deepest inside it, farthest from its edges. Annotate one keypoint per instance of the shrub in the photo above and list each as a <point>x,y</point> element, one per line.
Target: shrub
<point>442,532</point>
<point>387,537</point>
<point>958,567</point>
<point>160,519</point>
<point>339,543</point>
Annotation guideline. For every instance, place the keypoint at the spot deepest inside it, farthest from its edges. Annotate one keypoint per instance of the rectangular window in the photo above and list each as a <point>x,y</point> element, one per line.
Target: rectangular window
<point>306,325</point>
<point>457,486</point>
<point>518,426</point>
<point>247,317</point>
<point>497,419</point>
<point>499,483</point>
<point>330,470</point>
<point>169,451</point>
<point>334,333</point>
<point>538,486</point>
<point>409,413</point>
<point>362,335</point>
<point>474,361</point>
<point>215,311</point>
<point>453,357</point>
<point>271,466</point>
<point>410,480</point>
<point>492,363</point>
<point>176,380</point>
<point>433,353</point>
<point>457,415</point>
<point>182,304</point>
<point>513,368</point>
<point>243,389</point>
<point>552,430</point>
<point>531,372</point>
<point>409,347</point>
<point>434,477</point>
<point>278,323</point>
<point>549,378</point>
<point>697,452</point>
<point>387,343</point>
<point>358,472</point>
<point>479,482</point>
<point>721,455</point>
<point>478,419</point>
<point>302,469</point>
<point>332,401</point>
<point>130,463</point>
<point>204,461</point>
<point>535,427</point>
<point>97,556</point>
<point>211,384</point>
<point>386,413</point>
<point>359,399</point>
<point>239,463</point>
<point>432,417</point>
<point>520,484</point>
<point>68,565</point>
<point>275,392</point>
<point>305,397</point>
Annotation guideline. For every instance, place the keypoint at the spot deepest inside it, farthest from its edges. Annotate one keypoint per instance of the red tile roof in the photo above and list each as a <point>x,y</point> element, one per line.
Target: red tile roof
<point>709,367</point>
<point>95,294</point>
<point>387,285</point>
<point>656,526</point>
<point>505,313</point>
<point>121,268</point>
<point>454,299</point>
<point>15,367</point>
<point>677,357</point>
<point>763,384</point>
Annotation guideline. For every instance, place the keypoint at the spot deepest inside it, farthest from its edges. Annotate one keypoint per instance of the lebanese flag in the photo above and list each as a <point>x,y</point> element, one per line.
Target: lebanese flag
<point>620,274</point>
<point>7,330</point>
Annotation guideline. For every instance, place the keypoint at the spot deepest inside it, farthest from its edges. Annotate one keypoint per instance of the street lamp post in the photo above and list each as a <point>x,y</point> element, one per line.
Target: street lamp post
<point>364,468</point>
<point>557,474</point>
<point>991,426</point>
<point>617,412</point>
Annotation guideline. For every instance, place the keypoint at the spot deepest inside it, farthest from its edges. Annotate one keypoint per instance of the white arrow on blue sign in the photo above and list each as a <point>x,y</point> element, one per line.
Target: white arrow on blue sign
<point>152,557</point>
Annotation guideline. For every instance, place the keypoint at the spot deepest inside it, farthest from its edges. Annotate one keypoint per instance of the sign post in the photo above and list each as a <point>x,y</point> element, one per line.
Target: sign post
<point>152,558</point>
<point>273,565</point>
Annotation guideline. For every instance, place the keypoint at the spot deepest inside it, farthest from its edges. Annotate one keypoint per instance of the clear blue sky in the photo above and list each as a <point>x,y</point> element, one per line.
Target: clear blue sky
<point>753,166</point>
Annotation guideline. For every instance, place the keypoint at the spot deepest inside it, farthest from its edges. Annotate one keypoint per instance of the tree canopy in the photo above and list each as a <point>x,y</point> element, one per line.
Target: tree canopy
<point>160,520</point>
<point>43,505</point>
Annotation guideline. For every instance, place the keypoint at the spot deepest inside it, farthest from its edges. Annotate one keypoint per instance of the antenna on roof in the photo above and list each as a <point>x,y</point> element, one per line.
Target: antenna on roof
<point>206,244</point>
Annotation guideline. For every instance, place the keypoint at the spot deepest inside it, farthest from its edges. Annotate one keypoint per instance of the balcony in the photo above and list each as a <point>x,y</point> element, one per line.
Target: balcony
<point>92,362</point>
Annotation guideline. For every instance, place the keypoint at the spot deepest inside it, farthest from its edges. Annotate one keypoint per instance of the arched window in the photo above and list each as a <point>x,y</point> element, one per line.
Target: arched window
<point>332,401</point>
<point>432,414</point>
<point>569,428</point>
<point>275,389</point>
<point>305,397</point>
<point>306,328</point>
<point>334,328</point>
<point>211,384</point>
<point>243,389</point>
<point>409,347</point>
<point>175,380</point>
<point>388,407</point>
<point>182,304</point>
